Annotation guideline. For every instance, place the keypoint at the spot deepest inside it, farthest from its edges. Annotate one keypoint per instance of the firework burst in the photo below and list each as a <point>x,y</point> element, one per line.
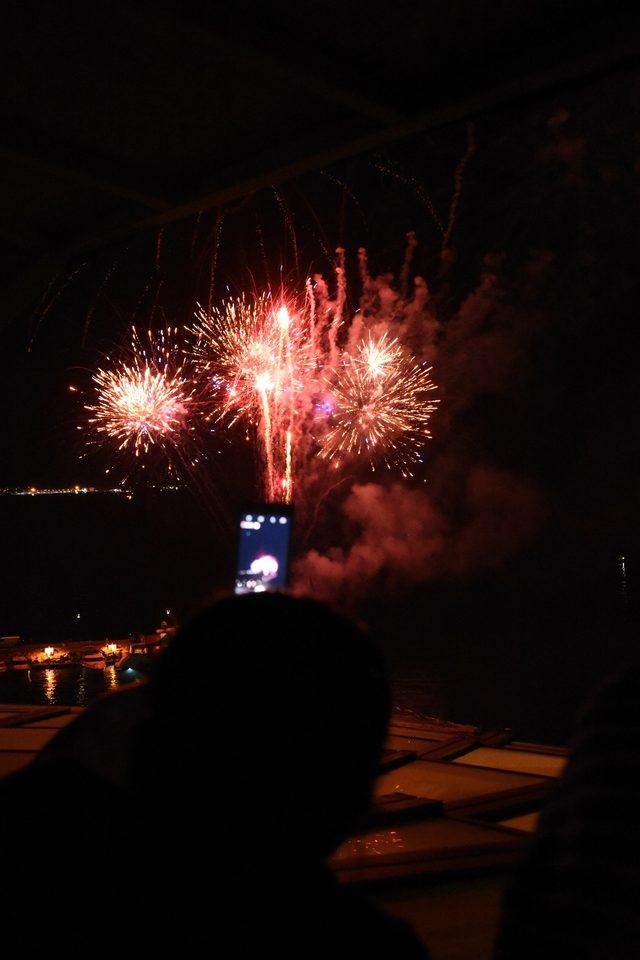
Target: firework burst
<point>248,348</point>
<point>145,402</point>
<point>381,407</point>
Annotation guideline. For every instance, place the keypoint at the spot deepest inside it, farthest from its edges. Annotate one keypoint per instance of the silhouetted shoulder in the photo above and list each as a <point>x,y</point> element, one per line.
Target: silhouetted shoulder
<point>576,891</point>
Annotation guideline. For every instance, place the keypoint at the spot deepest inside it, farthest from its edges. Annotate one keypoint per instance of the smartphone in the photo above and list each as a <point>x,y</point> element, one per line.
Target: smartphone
<point>263,548</point>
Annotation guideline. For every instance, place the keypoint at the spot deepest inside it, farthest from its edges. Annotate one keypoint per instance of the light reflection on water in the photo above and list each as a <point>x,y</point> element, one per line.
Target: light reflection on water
<point>82,687</point>
<point>50,685</point>
<point>78,686</point>
<point>69,687</point>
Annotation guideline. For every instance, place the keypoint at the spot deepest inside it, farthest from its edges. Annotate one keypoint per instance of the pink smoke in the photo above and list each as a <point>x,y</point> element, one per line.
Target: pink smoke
<point>404,536</point>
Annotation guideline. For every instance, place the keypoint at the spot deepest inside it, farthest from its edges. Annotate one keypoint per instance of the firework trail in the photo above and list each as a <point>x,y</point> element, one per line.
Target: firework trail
<point>310,306</point>
<point>458,179</point>
<point>408,180</point>
<point>288,222</point>
<point>412,243</point>
<point>363,267</point>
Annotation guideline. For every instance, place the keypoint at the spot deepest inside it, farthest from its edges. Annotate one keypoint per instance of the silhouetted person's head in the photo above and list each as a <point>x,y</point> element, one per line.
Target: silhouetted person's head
<point>270,715</point>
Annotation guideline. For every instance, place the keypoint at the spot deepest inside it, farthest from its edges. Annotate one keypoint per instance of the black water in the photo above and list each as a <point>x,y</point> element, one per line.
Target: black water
<point>76,686</point>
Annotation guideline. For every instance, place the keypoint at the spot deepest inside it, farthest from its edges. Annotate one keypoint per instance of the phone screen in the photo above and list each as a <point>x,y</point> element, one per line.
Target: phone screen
<point>263,548</point>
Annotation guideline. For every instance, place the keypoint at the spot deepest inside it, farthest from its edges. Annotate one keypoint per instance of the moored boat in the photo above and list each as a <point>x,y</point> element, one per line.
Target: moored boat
<point>19,662</point>
<point>93,660</point>
<point>113,652</point>
<point>7,641</point>
<point>51,657</point>
<point>138,658</point>
<point>142,653</point>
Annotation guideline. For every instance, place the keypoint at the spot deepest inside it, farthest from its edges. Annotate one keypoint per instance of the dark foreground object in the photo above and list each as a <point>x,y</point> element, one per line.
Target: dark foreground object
<point>192,837</point>
<point>576,893</point>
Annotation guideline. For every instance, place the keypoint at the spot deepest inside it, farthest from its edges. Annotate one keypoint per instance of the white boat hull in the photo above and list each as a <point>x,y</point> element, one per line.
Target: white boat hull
<point>94,664</point>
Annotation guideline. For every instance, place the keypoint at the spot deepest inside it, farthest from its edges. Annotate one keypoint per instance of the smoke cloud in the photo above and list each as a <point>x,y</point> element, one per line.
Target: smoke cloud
<point>403,536</point>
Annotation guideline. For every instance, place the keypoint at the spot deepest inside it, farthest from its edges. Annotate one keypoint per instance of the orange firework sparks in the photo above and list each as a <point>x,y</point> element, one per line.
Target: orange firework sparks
<point>144,402</point>
<point>247,349</point>
<point>381,407</point>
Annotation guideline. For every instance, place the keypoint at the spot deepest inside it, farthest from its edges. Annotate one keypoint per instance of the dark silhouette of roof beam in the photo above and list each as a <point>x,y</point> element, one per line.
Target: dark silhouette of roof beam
<point>22,293</point>
<point>477,103</point>
<point>318,87</point>
<point>87,180</point>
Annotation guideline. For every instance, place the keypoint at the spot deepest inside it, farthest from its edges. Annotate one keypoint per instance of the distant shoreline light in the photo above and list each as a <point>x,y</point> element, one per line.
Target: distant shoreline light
<point>67,491</point>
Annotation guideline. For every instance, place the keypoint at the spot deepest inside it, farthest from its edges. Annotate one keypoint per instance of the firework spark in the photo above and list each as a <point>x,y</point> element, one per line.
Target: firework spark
<point>381,407</point>
<point>258,359</point>
<point>377,358</point>
<point>144,402</point>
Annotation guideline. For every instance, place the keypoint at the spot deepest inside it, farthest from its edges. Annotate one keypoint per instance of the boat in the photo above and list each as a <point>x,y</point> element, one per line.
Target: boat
<point>138,658</point>
<point>51,657</point>
<point>113,653</point>
<point>19,662</point>
<point>149,647</point>
<point>10,641</point>
<point>93,660</point>
<point>164,633</point>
